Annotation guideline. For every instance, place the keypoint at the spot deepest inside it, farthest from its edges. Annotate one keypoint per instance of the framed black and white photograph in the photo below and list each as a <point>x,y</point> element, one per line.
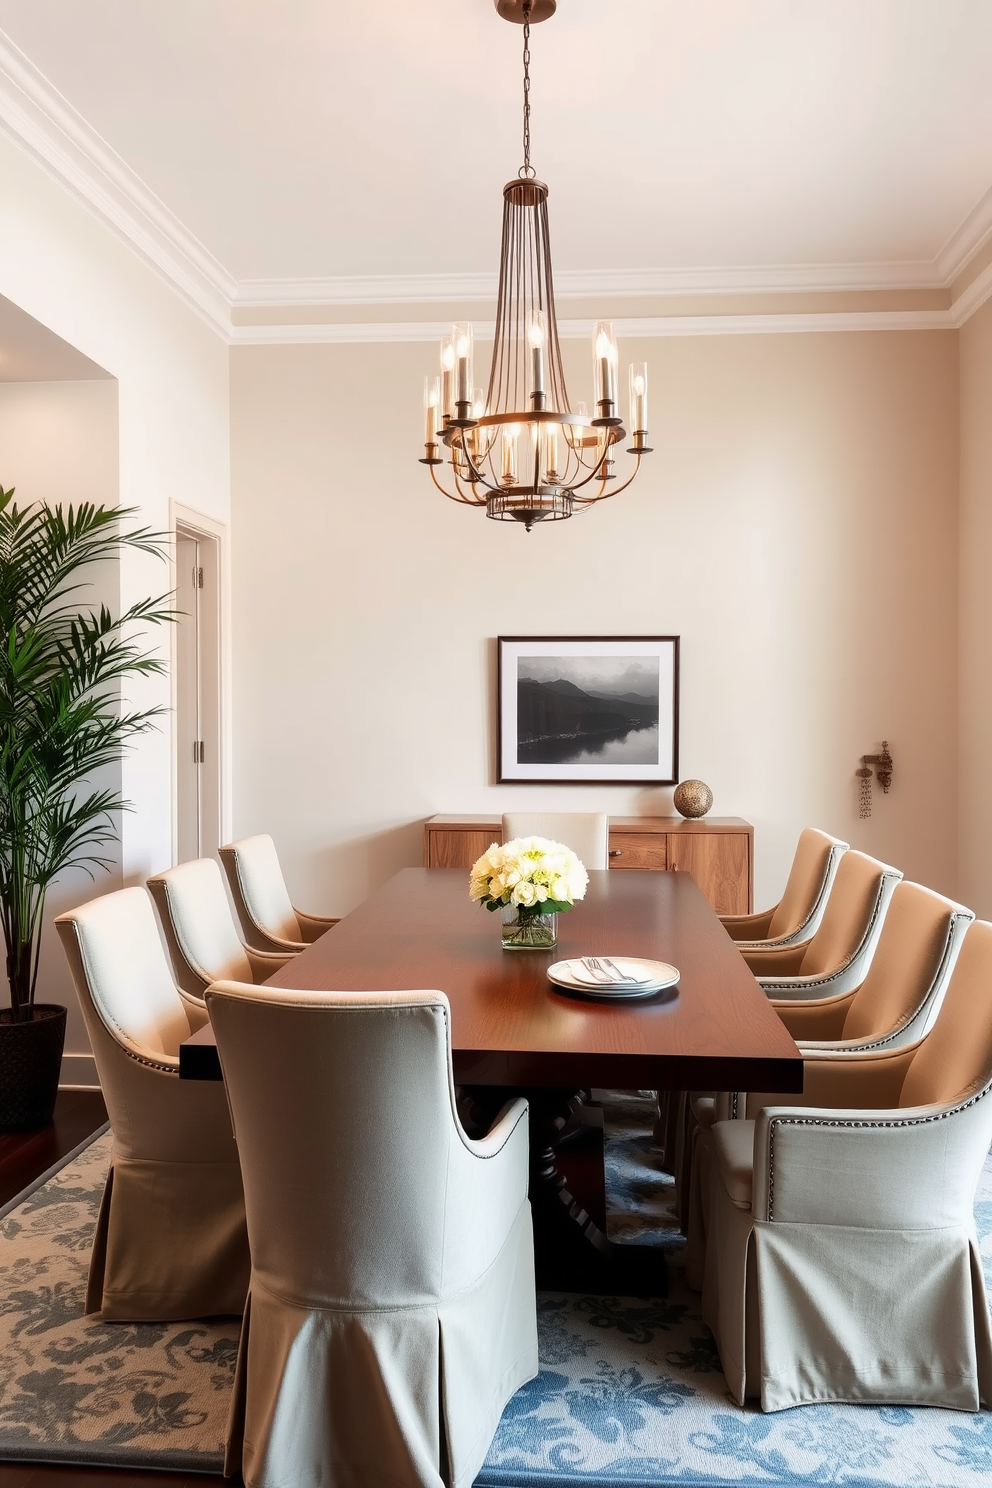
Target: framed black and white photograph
<point>599,709</point>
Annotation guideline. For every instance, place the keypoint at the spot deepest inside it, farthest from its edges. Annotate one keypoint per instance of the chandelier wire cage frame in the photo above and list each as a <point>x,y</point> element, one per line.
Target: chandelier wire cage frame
<point>520,450</point>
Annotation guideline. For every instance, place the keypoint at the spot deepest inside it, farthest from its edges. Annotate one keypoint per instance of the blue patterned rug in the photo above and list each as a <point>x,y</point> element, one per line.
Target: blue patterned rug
<point>630,1391</point>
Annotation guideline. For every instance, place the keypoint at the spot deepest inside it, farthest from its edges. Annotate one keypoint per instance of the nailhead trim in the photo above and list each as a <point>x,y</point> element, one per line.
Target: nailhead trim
<point>855,1123</point>
<point>816,983</point>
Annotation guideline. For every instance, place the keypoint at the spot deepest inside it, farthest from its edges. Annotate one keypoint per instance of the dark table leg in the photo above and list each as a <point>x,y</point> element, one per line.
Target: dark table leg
<point>572,1252</point>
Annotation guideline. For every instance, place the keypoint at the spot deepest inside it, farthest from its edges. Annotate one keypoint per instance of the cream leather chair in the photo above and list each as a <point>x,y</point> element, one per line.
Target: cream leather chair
<point>392,1311</point>
<point>797,915</point>
<point>843,1262</point>
<point>170,1241</point>
<point>268,920</point>
<point>587,833</point>
<point>896,1005</point>
<point>837,958</point>
<point>199,929</point>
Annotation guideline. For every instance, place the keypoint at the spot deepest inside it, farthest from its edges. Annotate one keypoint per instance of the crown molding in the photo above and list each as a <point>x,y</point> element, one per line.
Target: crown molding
<point>972,298</point>
<point>576,284</point>
<point>968,239</point>
<point>410,331</point>
<point>35,116</point>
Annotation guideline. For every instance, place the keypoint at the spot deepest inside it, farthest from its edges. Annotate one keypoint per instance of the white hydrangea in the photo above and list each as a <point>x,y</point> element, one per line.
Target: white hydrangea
<point>527,872</point>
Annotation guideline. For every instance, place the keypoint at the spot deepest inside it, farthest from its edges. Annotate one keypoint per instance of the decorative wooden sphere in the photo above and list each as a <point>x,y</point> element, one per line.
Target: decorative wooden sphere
<point>692,798</point>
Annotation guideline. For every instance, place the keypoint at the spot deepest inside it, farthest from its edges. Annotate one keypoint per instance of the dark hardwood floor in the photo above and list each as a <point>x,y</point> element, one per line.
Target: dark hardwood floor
<point>37,1475</point>
<point>24,1156</point>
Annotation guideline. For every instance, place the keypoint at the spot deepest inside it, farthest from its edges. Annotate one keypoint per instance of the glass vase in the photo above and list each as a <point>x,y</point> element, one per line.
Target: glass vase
<point>525,931</point>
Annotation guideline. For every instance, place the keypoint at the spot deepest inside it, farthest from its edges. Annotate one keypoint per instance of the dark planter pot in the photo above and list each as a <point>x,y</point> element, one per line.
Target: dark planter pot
<point>30,1062</point>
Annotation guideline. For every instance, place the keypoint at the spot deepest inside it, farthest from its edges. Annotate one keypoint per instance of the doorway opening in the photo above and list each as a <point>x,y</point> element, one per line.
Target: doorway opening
<point>197,692</point>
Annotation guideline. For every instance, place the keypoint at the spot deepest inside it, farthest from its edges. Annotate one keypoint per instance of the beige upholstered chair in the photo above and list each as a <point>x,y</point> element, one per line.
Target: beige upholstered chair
<point>837,958</point>
<point>842,1262</point>
<point>268,920</point>
<point>587,833</point>
<point>391,1312</point>
<point>896,1004</point>
<point>200,932</point>
<point>797,915</point>
<point>170,1241</point>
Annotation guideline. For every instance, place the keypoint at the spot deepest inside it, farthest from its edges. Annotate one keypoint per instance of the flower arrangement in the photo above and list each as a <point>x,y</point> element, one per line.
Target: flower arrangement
<point>529,879</point>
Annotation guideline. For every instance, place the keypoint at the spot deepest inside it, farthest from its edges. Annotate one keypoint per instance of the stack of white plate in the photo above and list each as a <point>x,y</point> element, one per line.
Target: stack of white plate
<point>612,976</point>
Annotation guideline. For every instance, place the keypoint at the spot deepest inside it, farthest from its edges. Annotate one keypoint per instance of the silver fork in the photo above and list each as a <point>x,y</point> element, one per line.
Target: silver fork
<point>613,971</point>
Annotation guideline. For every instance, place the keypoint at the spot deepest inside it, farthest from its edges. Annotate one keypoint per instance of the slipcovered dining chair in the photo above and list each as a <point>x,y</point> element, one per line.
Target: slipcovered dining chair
<point>842,1262</point>
<point>837,958</point>
<point>895,1005</point>
<point>392,1311</point>
<point>200,932</point>
<point>587,833</point>
<point>170,1240</point>
<point>268,919</point>
<point>797,915</point>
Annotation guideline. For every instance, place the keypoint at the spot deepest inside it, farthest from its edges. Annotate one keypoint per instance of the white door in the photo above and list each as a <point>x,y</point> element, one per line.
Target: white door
<point>190,744</point>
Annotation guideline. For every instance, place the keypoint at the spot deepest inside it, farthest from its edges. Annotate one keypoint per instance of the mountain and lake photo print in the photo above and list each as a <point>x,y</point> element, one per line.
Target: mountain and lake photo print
<point>574,710</point>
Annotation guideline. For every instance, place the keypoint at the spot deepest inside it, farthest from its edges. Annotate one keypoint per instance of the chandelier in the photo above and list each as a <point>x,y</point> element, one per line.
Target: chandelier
<point>518,448</point>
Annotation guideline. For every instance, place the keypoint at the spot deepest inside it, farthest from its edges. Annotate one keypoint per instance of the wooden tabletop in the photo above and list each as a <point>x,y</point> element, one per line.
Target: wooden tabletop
<point>510,1026</point>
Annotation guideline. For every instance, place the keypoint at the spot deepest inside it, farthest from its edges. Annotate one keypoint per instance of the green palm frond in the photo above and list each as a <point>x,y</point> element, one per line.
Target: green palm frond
<point>61,720</point>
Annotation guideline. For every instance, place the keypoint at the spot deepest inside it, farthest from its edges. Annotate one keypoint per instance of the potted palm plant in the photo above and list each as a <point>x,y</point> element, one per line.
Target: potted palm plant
<point>61,721</point>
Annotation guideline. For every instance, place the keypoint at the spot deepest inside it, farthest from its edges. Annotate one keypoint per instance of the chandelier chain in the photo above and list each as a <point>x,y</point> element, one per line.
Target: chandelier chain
<point>527,170</point>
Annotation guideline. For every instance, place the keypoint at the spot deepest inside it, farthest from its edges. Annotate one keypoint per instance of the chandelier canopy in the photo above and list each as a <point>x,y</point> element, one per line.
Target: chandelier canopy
<point>518,448</point>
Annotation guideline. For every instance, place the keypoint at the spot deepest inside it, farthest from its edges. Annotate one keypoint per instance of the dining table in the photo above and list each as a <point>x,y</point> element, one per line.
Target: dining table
<point>513,1031</point>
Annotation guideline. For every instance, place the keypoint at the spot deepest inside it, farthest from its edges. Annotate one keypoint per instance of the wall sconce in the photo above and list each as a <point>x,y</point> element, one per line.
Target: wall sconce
<point>883,770</point>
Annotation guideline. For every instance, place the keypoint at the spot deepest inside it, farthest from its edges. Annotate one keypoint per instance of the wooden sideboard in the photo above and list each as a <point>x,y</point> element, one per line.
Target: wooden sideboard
<point>718,851</point>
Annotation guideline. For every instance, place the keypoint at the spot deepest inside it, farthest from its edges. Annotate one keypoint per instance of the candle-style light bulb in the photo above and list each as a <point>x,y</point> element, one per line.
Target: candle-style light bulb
<point>551,470</point>
<point>638,397</point>
<point>432,399</point>
<point>448,377</point>
<point>510,435</point>
<point>536,337</point>
<point>462,342</point>
<point>605,358</point>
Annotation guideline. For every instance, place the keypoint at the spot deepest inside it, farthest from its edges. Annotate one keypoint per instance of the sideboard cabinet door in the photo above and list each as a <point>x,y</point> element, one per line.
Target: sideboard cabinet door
<point>719,862</point>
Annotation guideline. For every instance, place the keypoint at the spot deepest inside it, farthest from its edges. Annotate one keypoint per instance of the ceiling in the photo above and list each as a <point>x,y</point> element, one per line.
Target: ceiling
<point>297,139</point>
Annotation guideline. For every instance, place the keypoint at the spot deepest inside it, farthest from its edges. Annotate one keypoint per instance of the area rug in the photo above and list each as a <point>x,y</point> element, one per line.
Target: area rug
<point>630,1390</point>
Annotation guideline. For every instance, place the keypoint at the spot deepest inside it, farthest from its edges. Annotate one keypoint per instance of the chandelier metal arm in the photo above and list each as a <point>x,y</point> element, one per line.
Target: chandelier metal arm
<point>461,500</point>
<point>604,493</point>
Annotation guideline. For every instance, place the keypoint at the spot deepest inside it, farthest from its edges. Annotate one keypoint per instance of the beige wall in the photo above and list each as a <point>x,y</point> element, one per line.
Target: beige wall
<point>796,526</point>
<point>975,790</point>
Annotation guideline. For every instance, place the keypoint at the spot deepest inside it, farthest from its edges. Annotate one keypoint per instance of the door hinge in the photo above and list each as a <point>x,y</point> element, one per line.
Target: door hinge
<point>198,578</point>
<point>198,752</point>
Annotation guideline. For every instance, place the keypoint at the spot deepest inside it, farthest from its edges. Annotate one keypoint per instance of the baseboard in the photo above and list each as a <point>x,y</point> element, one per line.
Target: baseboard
<point>79,1073</point>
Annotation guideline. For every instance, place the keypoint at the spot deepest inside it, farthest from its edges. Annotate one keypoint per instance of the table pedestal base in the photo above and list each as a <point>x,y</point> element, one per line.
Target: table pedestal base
<point>571,1249</point>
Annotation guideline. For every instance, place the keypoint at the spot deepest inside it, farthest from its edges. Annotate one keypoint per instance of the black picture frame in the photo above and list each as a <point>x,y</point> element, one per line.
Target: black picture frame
<point>566,716</point>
